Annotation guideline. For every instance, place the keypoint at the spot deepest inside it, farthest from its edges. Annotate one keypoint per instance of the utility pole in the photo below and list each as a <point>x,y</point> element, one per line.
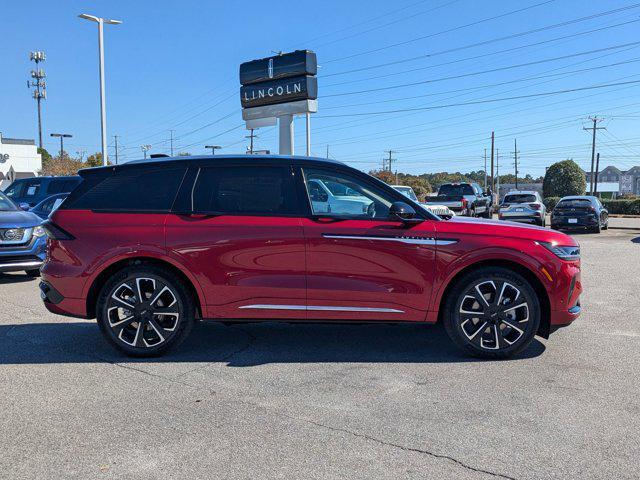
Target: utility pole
<point>115,138</point>
<point>327,150</point>
<point>386,162</point>
<point>145,149</point>
<point>251,137</point>
<point>498,174</point>
<point>595,121</point>
<point>40,92</point>
<point>171,133</point>
<point>595,186</point>
<point>493,180</point>
<point>515,157</point>
<point>61,136</point>
<point>485,168</point>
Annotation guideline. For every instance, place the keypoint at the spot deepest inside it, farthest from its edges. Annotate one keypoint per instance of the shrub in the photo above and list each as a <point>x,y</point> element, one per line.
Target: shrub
<point>623,207</point>
<point>563,179</point>
<point>550,202</point>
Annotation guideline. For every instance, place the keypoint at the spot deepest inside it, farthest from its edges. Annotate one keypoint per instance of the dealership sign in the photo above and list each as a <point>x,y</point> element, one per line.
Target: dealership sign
<point>279,87</point>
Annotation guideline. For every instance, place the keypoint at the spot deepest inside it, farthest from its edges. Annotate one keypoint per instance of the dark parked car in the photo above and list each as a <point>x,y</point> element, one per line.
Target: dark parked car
<point>239,238</point>
<point>22,239</point>
<point>464,199</point>
<point>48,205</point>
<point>580,213</point>
<point>28,192</point>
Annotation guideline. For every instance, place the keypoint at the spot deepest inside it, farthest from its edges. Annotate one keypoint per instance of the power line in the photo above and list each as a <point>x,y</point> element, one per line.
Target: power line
<point>485,42</point>
<point>475,57</point>
<point>477,102</point>
<point>482,72</point>
<point>478,22</point>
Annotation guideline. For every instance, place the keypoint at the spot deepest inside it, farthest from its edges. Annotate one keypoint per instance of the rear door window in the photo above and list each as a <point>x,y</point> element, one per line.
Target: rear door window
<point>129,190</point>
<point>245,190</point>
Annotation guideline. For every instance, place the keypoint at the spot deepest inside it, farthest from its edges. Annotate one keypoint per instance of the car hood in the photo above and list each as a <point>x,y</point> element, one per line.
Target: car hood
<point>18,219</point>
<point>499,228</point>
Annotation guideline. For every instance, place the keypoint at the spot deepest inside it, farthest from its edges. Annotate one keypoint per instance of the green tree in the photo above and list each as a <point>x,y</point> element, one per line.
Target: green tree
<point>564,178</point>
<point>46,157</point>
<point>94,160</point>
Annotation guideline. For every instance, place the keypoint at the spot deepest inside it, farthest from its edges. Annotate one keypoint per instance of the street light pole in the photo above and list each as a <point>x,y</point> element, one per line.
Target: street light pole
<point>103,113</point>
<point>62,136</point>
<point>213,148</point>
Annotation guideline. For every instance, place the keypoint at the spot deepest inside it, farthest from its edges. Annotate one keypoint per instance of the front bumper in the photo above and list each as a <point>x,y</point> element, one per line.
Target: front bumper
<point>27,256</point>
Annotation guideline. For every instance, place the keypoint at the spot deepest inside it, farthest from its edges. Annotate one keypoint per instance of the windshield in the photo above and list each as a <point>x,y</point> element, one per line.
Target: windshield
<point>6,205</point>
<point>520,198</point>
<point>407,192</point>
<point>455,190</point>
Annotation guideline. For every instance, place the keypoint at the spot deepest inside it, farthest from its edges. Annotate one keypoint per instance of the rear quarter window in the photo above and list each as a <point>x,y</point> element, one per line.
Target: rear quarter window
<point>128,190</point>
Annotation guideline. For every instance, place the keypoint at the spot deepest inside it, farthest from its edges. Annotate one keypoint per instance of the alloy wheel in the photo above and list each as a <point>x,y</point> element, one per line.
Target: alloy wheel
<point>143,312</point>
<point>493,314</point>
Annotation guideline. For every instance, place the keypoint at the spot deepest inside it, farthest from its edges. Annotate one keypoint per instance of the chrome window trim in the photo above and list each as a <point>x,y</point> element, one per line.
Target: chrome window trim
<point>402,239</point>
<point>319,308</point>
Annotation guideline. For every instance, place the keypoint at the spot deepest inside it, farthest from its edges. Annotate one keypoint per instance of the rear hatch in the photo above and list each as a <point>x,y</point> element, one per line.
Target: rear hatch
<point>577,207</point>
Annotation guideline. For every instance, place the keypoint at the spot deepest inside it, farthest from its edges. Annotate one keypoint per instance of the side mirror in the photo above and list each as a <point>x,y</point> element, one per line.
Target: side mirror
<point>403,212</point>
<point>24,206</point>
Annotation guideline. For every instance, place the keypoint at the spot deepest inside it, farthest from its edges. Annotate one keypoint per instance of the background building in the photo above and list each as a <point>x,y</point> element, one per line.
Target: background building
<point>612,179</point>
<point>19,158</point>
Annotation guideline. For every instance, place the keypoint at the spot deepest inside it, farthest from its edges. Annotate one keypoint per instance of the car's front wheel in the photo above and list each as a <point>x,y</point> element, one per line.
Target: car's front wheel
<point>145,310</point>
<point>492,312</point>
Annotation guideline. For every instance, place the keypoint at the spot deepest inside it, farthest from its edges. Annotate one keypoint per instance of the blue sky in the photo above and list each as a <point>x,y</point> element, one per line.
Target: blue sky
<point>439,76</point>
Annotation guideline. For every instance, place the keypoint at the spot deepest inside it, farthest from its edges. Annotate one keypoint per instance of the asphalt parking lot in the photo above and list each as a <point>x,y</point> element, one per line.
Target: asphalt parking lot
<point>327,401</point>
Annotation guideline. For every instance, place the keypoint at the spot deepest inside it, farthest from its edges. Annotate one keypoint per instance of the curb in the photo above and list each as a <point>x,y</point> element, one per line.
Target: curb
<point>624,228</point>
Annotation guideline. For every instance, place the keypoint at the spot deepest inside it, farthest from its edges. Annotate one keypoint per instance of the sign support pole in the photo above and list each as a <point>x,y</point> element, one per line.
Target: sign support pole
<point>286,134</point>
<point>308,134</point>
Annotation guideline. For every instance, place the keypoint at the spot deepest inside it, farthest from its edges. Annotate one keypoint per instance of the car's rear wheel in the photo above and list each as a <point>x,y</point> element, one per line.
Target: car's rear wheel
<point>492,312</point>
<point>145,310</point>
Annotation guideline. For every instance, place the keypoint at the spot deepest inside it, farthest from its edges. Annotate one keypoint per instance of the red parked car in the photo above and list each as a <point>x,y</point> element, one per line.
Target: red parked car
<point>149,247</point>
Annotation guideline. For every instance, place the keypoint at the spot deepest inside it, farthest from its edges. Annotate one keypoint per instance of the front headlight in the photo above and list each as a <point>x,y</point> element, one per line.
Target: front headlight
<point>39,231</point>
<point>565,252</point>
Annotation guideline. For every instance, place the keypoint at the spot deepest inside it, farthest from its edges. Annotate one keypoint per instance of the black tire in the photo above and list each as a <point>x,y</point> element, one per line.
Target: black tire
<point>149,328</point>
<point>35,273</point>
<point>606,225</point>
<point>488,213</point>
<point>597,228</point>
<point>497,332</point>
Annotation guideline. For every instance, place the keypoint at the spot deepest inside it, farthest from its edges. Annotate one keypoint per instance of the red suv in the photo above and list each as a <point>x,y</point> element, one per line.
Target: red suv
<point>149,247</point>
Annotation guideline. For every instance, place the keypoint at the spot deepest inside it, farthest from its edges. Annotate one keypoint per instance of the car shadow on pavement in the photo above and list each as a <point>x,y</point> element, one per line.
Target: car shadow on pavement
<point>244,345</point>
<point>636,240</point>
<point>4,278</point>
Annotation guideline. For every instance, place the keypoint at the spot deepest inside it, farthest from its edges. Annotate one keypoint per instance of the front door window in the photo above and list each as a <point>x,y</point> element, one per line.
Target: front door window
<point>345,196</point>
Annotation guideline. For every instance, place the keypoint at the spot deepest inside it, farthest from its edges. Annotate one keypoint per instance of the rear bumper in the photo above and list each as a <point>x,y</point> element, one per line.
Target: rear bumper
<point>56,303</point>
<point>581,222</point>
<point>520,218</point>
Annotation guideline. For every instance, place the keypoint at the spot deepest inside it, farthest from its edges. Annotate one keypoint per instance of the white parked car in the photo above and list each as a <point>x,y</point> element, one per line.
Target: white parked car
<point>440,210</point>
<point>332,197</point>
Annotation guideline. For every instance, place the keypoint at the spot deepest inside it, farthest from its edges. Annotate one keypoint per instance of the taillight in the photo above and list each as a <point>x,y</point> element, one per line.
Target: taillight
<point>536,206</point>
<point>55,232</point>
<point>464,203</point>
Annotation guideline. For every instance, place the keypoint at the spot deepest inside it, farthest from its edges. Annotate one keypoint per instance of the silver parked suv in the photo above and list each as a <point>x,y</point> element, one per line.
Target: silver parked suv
<point>523,206</point>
